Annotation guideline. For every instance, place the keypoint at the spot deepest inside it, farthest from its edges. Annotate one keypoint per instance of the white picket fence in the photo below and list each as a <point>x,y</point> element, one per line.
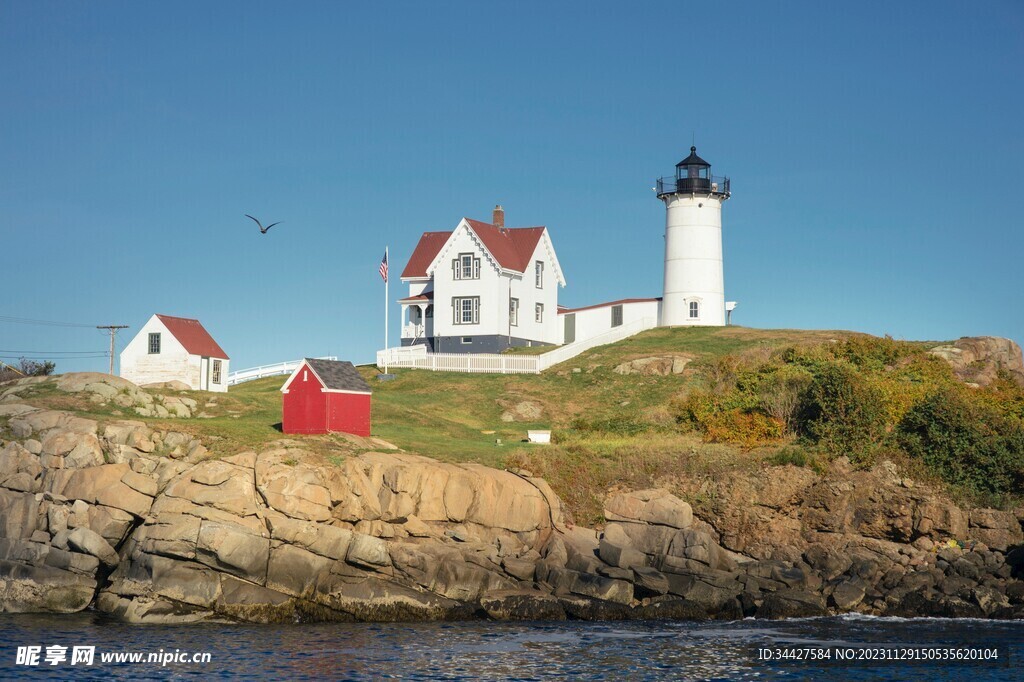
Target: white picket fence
<point>417,357</point>
<point>287,367</point>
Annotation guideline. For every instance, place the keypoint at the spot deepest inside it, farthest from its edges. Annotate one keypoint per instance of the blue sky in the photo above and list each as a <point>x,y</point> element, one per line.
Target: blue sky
<point>875,151</point>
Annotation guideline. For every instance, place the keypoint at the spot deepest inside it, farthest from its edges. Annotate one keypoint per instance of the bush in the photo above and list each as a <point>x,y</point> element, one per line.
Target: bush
<point>842,412</point>
<point>31,368</point>
<point>781,393</point>
<point>619,425</point>
<point>965,441</point>
<point>733,418</point>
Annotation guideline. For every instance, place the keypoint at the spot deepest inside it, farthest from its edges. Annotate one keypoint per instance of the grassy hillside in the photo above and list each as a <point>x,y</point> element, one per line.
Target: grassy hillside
<point>747,398</point>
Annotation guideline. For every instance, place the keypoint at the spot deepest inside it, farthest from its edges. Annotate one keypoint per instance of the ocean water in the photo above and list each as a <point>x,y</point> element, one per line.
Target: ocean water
<point>651,650</point>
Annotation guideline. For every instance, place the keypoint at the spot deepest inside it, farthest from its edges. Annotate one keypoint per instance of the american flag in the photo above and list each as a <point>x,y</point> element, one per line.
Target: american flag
<point>384,266</point>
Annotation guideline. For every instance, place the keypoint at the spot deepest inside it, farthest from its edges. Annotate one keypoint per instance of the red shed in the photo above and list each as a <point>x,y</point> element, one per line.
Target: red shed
<point>326,395</point>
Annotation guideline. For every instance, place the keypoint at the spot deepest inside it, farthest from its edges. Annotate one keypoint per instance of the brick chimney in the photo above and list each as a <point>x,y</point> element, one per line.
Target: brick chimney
<point>498,219</point>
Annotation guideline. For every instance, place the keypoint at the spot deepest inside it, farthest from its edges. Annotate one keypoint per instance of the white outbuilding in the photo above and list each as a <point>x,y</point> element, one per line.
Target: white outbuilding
<point>171,348</point>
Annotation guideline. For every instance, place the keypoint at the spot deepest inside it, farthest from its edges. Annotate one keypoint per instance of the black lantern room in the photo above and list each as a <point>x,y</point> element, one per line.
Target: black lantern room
<point>693,176</point>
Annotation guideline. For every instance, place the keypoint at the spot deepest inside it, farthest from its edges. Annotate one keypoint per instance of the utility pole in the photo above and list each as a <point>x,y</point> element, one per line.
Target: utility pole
<point>113,332</point>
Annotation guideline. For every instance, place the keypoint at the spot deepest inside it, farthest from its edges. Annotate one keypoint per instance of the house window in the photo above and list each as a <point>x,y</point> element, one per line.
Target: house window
<point>694,310</point>
<point>154,343</point>
<point>466,310</point>
<point>539,312</point>
<point>466,266</point>
<point>513,312</point>
<point>616,315</point>
<point>538,268</point>
<point>216,372</point>
<point>467,339</point>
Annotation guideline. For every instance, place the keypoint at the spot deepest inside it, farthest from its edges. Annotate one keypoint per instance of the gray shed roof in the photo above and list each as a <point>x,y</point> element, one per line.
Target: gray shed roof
<point>338,375</point>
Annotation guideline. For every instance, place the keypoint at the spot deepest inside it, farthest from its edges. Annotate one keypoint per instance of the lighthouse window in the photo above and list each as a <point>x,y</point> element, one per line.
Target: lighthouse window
<point>694,310</point>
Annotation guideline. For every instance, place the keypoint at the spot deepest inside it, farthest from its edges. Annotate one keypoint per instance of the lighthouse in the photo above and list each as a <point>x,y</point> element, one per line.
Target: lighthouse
<point>694,280</point>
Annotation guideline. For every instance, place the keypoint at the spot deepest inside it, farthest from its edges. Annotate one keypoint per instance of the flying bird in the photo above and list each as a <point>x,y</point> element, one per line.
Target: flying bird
<point>263,230</point>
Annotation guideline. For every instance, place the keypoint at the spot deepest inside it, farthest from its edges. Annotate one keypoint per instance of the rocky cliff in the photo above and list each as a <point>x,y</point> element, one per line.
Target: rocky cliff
<point>147,525</point>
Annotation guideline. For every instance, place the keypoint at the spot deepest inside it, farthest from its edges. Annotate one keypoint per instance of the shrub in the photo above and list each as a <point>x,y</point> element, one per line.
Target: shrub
<point>781,392</point>
<point>965,441</point>
<point>733,418</point>
<point>741,427</point>
<point>842,412</point>
<point>620,425</point>
<point>31,368</point>
<point>790,455</point>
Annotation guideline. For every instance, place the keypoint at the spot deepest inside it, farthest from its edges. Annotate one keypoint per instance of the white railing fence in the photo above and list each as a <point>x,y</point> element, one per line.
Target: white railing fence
<point>287,367</point>
<point>417,357</point>
<point>571,350</point>
<point>457,362</point>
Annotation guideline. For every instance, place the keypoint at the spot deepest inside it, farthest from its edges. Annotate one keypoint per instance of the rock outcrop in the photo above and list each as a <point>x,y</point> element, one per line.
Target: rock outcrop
<point>662,365</point>
<point>147,526</point>
<point>979,359</point>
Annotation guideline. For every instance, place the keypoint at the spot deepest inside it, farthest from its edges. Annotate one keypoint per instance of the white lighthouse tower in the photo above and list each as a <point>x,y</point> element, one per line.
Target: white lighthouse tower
<point>694,280</point>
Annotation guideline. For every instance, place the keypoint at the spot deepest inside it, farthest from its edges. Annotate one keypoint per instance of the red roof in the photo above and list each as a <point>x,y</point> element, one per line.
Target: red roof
<point>562,311</point>
<point>513,247</point>
<point>428,248</point>
<point>193,336</point>
<point>429,296</point>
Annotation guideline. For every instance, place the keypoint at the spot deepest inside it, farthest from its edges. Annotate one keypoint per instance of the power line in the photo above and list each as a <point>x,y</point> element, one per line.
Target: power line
<point>51,357</point>
<point>45,323</point>
<point>53,352</point>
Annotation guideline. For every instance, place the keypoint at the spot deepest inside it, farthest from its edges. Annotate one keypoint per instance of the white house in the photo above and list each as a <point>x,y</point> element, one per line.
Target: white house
<point>175,349</point>
<point>481,288</point>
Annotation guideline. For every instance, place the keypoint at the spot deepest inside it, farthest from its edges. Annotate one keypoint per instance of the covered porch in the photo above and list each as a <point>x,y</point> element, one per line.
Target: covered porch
<point>417,319</point>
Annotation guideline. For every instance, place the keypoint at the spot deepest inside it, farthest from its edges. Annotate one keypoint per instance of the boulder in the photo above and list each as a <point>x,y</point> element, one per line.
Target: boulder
<point>658,507</point>
<point>623,557</point>
<point>849,593</point>
<point>90,542</point>
<point>791,604</point>
<point>233,549</point>
<point>654,366</point>
<point>365,550</point>
<point>649,582</point>
<point>979,359</point>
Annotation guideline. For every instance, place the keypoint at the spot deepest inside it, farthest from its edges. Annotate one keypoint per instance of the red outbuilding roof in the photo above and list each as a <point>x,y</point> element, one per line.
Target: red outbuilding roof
<point>512,247</point>
<point>193,336</point>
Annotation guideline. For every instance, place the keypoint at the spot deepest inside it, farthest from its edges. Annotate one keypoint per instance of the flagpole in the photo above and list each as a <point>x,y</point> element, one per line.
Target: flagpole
<point>387,278</point>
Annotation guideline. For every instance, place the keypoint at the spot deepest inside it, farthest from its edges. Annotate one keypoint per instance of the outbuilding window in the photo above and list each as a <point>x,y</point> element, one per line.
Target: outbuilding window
<point>216,372</point>
<point>154,343</point>
<point>616,315</point>
<point>694,310</point>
